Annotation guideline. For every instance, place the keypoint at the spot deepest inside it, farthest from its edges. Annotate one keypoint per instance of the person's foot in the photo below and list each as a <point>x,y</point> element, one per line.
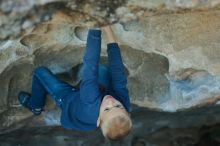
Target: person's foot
<point>24,98</point>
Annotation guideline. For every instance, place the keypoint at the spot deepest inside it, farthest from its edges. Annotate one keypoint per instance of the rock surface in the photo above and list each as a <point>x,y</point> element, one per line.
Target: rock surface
<point>18,16</point>
<point>170,50</point>
<point>163,52</point>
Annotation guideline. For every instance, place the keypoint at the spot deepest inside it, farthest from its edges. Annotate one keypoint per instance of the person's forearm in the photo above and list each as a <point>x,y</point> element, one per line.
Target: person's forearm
<point>109,33</point>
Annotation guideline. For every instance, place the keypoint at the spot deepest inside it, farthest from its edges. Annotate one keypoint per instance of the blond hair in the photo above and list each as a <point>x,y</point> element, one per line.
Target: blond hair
<point>116,127</point>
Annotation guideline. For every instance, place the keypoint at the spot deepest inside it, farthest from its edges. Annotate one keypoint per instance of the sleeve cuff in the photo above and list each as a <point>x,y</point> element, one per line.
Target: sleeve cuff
<point>95,33</point>
<point>112,45</point>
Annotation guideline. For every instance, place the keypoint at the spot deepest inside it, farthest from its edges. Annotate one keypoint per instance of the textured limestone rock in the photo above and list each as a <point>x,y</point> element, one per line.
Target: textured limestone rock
<point>153,57</point>
<point>18,16</point>
<point>147,51</point>
<point>170,50</point>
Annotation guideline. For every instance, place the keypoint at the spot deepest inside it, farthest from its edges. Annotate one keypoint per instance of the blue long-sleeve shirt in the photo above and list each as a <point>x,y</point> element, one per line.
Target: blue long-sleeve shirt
<point>80,110</point>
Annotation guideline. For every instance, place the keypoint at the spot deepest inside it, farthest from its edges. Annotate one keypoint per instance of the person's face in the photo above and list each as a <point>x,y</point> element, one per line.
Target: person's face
<point>110,107</point>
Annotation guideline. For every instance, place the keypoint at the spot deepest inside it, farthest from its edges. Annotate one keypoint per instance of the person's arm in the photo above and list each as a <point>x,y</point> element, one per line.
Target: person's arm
<point>89,90</point>
<point>117,69</point>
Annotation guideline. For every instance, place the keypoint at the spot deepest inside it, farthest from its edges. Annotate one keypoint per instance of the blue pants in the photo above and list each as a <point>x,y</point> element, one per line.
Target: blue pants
<point>45,82</point>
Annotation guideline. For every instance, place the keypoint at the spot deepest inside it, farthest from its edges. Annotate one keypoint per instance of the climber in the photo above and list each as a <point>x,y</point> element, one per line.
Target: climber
<point>102,99</point>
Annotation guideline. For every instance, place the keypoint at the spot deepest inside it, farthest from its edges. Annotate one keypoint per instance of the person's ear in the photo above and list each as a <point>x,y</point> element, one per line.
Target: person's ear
<point>98,121</point>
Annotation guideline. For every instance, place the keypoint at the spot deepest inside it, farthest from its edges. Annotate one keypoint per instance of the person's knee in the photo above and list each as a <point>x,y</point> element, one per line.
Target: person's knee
<point>40,70</point>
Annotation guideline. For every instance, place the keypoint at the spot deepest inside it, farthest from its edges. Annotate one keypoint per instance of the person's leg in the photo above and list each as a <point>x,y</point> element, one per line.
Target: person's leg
<point>44,82</point>
<point>38,91</point>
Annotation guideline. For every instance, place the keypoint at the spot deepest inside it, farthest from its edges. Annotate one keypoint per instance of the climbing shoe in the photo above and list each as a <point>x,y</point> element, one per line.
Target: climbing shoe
<point>24,98</point>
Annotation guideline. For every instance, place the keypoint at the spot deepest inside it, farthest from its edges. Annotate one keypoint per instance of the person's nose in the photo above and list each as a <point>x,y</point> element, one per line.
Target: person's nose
<point>111,102</point>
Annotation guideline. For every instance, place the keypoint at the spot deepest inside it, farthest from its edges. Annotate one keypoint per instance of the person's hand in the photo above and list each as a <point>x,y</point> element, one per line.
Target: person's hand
<point>109,33</point>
